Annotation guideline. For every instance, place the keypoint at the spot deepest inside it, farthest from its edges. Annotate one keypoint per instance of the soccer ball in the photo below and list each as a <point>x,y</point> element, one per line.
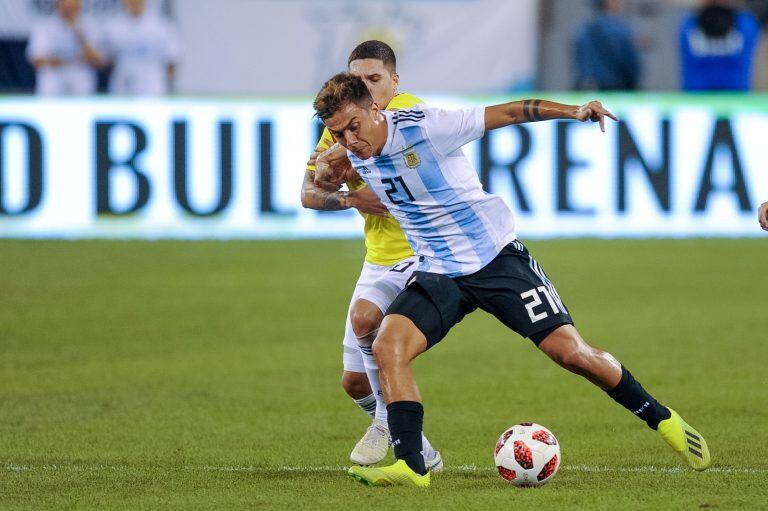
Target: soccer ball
<point>527,454</point>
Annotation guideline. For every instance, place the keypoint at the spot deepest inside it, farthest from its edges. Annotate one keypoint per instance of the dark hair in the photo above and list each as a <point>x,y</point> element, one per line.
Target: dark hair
<point>375,50</point>
<point>717,20</point>
<point>343,88</point>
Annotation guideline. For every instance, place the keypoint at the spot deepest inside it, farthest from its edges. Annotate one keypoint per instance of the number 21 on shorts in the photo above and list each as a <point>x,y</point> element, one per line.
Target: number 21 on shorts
<point>535,301</point>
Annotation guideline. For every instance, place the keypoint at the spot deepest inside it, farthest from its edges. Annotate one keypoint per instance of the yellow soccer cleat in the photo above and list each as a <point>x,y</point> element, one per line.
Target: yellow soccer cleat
<point>399,474</point>
<point>686,441</point>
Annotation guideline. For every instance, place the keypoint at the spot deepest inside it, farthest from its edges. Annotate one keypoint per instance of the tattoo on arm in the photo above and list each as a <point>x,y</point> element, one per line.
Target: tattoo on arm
<point>536,115</point>
<point>314,197</point>
<point>332,201</point>
<point>531,110</point>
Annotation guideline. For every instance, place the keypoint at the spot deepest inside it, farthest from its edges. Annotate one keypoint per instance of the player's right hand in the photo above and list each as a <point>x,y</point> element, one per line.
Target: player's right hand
<point>595,112</point>
<point>762,216</point>
<point>366,201</point>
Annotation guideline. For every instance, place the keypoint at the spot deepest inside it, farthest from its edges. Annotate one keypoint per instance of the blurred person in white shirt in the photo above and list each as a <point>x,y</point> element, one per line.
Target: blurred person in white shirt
<point>144,48</point>
<point>65,52</point>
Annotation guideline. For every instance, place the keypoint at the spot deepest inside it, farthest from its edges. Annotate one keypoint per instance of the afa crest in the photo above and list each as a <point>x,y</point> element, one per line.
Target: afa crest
<point>412,159</point>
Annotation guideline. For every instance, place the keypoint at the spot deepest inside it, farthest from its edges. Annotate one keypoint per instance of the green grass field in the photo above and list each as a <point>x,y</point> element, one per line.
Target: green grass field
<point>181,375</point>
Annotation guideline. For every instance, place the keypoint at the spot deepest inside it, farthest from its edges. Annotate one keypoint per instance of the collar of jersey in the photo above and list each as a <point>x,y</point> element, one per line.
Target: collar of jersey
<point>387,149</point>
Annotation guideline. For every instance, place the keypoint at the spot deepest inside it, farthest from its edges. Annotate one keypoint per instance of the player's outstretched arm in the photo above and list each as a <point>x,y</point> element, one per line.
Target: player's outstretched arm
<point>533,110</point>
<point>762,215</point>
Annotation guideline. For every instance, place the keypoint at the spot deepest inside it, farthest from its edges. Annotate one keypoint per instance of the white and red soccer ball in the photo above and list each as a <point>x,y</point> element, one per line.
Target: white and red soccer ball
<point>527,454</point>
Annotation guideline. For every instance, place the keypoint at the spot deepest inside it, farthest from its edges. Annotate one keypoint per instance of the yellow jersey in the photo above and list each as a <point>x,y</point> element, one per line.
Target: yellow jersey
<point>385,242</point>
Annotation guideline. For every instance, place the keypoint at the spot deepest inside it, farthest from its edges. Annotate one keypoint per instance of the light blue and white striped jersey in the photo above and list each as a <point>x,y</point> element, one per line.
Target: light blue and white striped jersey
<point>423,177</point>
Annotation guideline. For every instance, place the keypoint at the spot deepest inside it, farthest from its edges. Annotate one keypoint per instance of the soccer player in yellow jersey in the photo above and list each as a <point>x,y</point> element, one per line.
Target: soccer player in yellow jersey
<point>389,261</point>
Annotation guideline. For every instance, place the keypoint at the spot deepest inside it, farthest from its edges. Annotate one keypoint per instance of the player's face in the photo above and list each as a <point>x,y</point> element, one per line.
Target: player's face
<point>361,130</point>
<point>378,79</point>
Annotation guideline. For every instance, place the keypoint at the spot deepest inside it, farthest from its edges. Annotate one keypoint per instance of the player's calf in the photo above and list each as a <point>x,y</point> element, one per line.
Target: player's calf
<point>365,319</point>
<point>396,345</point>
<point>566,347</point>
<point>355,384</point>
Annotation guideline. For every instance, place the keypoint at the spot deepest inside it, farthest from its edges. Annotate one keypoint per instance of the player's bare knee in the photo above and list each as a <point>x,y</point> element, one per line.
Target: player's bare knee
<point>365,317</point>
<point>567,349</point>
<point>355,384</point>
<point>383,349</point>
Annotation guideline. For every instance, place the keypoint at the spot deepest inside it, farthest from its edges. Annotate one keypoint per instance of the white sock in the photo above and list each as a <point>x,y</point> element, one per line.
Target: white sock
<point>426,448</point>
<point>368,404</point>
<point>372,370</point>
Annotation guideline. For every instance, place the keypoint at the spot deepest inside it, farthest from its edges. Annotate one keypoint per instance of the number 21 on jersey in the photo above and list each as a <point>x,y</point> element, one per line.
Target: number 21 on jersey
<point>395,190</point>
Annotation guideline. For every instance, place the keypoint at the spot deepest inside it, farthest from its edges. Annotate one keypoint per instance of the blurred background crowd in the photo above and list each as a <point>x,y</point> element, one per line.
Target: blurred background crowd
<point>141,47</point>
<point>66,53</point>
<point>717,45</point>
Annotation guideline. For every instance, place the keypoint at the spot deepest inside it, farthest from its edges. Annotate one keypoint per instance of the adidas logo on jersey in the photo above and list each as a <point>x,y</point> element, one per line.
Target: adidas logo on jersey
<point>364,170</point>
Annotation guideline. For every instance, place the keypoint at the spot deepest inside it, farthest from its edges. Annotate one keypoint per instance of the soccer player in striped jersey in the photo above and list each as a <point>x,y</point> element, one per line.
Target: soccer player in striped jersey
<point>389,260</point>
<point>469,258</point>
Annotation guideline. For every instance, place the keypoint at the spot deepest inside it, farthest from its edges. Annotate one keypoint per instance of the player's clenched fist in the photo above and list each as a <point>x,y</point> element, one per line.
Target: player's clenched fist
<point>333,168</point>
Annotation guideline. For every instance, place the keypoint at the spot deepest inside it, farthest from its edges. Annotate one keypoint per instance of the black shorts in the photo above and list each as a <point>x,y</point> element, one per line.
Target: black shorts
<point>512,287</point>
